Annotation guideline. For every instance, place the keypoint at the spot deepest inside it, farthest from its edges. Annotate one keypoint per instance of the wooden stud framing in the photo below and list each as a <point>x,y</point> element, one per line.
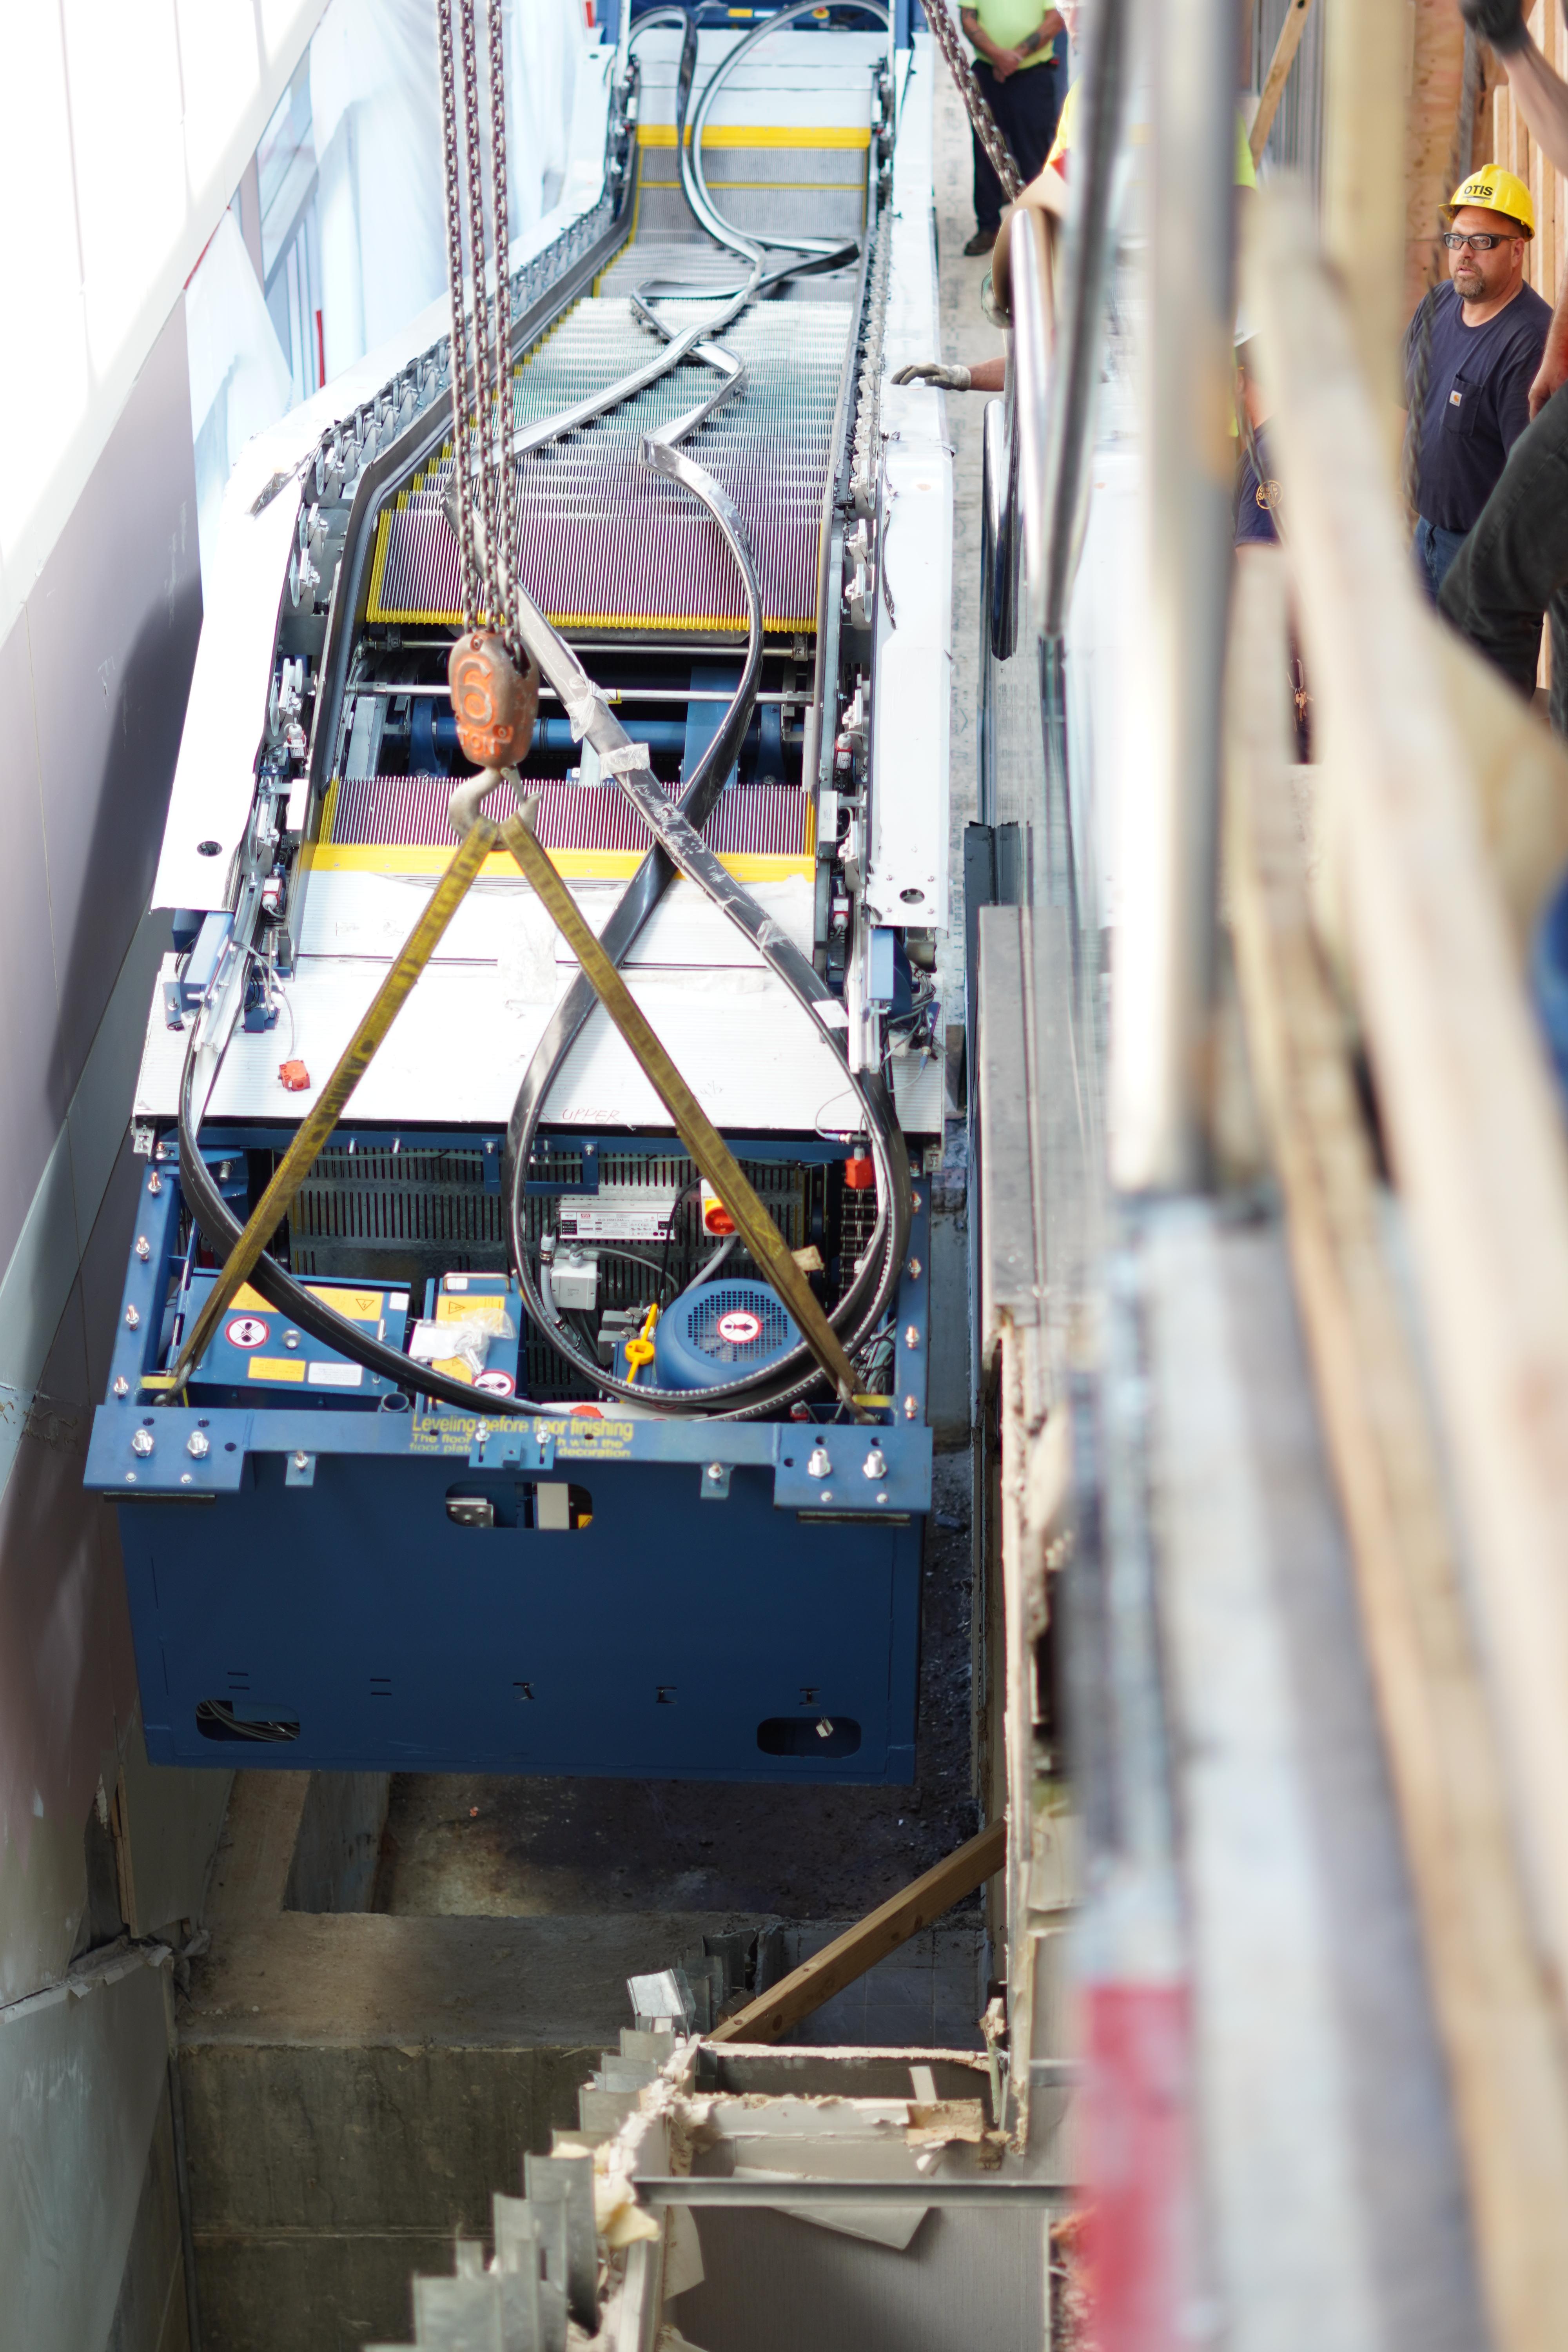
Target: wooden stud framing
<point>1496,2016</point>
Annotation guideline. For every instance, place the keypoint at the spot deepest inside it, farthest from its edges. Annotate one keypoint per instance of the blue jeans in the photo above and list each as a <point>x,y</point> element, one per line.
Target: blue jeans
<point>1435,551</point>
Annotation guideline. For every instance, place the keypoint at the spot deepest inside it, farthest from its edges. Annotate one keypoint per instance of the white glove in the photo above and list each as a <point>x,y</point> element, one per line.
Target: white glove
<point>946,379</point>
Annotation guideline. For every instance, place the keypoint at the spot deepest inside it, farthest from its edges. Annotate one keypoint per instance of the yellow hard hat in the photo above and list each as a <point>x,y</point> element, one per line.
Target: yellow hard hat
<point>1498,191</point>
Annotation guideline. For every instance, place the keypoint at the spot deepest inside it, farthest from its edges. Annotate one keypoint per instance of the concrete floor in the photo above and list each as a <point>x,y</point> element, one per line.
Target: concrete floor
<point>967,335</point>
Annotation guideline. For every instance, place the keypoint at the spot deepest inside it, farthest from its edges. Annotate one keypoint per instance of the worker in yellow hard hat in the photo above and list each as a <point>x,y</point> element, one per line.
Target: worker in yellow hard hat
<point>1471,354</point>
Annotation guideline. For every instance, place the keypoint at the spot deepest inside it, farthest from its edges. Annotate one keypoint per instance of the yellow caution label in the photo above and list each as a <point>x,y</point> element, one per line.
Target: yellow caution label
<point>357,1305</point>
<point>472,1307</point>
<point>276,1368</point>
<point>245,1297</point>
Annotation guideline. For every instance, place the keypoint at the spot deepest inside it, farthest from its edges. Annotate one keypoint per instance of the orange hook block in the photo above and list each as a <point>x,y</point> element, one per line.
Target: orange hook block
<point>496,704</point>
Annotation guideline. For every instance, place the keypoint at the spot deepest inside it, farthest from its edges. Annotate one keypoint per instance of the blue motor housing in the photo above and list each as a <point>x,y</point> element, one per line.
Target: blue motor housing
<point>720,1331</point>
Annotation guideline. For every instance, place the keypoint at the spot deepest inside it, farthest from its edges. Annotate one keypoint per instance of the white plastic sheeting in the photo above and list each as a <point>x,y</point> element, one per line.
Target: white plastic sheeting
<point>240,381</point>
<point>376,111</point>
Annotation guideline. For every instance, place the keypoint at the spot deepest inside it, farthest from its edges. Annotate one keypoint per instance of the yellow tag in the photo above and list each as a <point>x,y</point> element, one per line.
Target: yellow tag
<point>489,1310</point>
<point>276,1368</point>
<point>358,1306</point>
<point>456,1369</point>
<point>252,1301</point>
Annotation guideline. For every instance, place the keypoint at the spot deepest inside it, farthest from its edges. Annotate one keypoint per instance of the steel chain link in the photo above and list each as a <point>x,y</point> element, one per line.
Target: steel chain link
<point>998,154</point>
<point>459,370</point>
<point>482,421</point>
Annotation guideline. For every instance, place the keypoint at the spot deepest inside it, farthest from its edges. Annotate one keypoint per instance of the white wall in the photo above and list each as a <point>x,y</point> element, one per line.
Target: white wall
<point>128,123</point>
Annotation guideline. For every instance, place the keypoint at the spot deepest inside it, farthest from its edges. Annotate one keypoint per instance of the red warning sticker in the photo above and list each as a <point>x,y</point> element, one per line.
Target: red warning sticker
<point>246,1331</point>
<point>740,1326</point>
<point>496,1383</point>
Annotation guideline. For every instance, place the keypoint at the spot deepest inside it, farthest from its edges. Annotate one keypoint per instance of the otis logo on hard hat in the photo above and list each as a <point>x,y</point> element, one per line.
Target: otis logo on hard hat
<point>1496,191</point>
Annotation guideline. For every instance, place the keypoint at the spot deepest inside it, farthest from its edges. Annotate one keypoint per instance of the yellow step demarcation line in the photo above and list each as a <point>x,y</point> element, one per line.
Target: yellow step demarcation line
<point>325,856</point>
<point>572,865</point>
<point>758,134</point>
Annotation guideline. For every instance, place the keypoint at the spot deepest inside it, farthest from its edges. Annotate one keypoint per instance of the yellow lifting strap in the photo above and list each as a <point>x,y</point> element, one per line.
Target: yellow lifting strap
<point>707,1148</point>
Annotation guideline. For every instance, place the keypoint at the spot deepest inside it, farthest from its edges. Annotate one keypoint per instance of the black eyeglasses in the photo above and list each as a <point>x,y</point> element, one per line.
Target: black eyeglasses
<point>1480,239</point>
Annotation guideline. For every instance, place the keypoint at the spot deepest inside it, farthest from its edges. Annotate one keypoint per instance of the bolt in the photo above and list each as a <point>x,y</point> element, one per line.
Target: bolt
<point>916,1203</point>
<point>911,1335</point>
<point>825,1728</point>
<point>302,1462</point>
<point>223,1171</point>
<point>141,1443</point>
<point>144,1248</point>
<point>196,1446</point>
<point>132,1320</point>
<point>881,1499</point>
<point>913,1269</point>
<point>121,1385</point>
<point>155,1183</point>
<point>875,1465</point>
<point>130,1477</point>
<point>716,1471</point>
<point>184,1477</point>
<point>826,1496</point>
<point>911,1409</point>
<point>290,1338</point>
<point>819,1465</point>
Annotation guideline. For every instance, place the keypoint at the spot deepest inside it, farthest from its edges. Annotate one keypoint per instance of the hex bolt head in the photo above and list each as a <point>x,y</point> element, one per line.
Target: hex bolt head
<point>819,1464</point>
<point>302,1462</point>
<point>290,1339</point>
<point>913,1269</point>
<point>155,1183</point>
<point>197,1446</point>
<point>874,1465</point>
<point>911,1335</point>
<point>141,1443</point>
<point>825,1728</point>
<point>881,1499</point>
<point>143,1248</point>
<point>121,1385</point>
<point>132,1320</point>
<point>715,1471</point>
<point>911,1409</point>
<point>184,1477</point>
<point>223,1171</point>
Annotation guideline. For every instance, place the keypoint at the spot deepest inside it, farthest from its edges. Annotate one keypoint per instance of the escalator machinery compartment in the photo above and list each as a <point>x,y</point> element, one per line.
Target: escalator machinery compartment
<point>602,1591</point>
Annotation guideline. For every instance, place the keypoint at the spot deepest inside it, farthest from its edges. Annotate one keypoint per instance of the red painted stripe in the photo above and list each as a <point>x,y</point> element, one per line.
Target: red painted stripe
<point>1137,2222</point>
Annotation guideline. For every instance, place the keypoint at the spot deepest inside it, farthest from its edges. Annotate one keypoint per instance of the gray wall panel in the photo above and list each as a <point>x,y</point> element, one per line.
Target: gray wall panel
<point>112,625</point>
<point>30,1067</point>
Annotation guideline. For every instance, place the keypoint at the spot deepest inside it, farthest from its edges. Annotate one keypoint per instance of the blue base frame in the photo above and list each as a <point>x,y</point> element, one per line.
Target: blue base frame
<point>301,1568</point>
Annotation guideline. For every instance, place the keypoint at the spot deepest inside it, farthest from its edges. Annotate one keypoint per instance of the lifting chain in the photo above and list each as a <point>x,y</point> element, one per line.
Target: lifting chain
<point>495,687</point>
<point>997,152</point>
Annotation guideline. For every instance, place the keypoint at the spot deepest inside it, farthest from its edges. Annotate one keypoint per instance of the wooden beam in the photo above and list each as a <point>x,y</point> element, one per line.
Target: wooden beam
<point>1278,74</point>
<point>1365,61</point>
<point>870,1940</point>
<point>1495,2012</point>
<point>1472,1117</point>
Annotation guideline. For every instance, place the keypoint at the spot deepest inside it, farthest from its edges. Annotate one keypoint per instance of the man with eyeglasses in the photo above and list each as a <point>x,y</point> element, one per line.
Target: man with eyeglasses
<point>1470,357</point>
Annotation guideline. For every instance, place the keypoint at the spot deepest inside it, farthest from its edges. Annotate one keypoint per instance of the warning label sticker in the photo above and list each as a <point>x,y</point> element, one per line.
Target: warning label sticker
<point>246,1332</point>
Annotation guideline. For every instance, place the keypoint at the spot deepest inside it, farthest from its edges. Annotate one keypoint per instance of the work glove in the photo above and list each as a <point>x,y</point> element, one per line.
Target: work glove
<point>946,379</point>
<point>1500,22</point>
